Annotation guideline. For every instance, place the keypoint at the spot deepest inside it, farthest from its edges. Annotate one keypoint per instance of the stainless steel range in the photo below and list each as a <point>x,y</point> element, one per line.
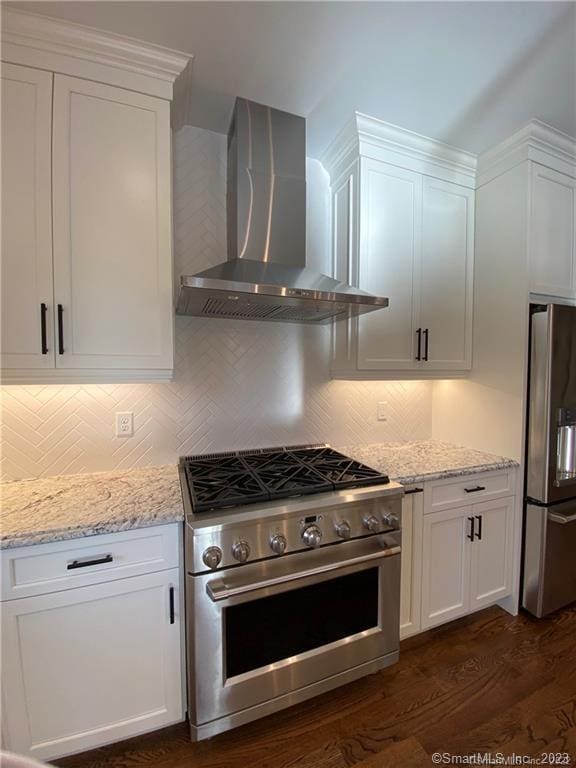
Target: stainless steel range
<point>292,579</point>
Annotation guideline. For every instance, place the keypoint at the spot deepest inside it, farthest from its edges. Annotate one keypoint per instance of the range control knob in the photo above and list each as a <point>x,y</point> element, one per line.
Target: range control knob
<point>372,524</point>
<point>343,529</point>
<point>278,544</point>
<point>241,551</point>
<point>212,557</point>
<point>391,520</point>
<point>312,536</point>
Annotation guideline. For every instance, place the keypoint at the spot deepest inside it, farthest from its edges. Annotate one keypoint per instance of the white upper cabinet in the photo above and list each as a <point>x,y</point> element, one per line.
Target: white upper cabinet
<point>552,233</point>
<point>390,223</point>
<point>403,227</point>
<point>538,166</point>
<point>27,291</point>
<point>446,275</point>
<point>87,292</point>
<point>112,249</point>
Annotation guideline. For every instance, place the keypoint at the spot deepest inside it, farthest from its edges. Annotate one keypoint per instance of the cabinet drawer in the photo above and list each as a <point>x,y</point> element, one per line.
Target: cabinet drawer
<point>43,568</point>
<point>445,494</point>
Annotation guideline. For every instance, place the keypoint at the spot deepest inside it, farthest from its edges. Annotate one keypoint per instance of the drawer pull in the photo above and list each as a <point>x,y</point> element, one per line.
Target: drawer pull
<point>89,561</point>
<point>413,490</point>
<point>479,534</point>
<point>60,329</point>
<point>43,338</point>
<point>475,489</point>
<point>426,343</point>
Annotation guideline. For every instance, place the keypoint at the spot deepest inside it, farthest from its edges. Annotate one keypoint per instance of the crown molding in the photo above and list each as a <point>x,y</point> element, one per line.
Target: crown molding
<point>68,48</point>
<point>341,151</point>
<point>366,136</point>
<point>536,141</point>
<point>374,132</point>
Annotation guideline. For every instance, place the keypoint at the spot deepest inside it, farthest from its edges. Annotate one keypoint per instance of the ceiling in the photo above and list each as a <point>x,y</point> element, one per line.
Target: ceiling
<point>468,73</point>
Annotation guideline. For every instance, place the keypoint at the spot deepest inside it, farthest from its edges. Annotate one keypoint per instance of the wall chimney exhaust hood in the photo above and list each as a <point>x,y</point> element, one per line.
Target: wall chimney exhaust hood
<point>265,276</point>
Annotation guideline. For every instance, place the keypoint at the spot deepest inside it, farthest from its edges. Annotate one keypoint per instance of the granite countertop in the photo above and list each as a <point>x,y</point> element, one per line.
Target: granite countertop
<point>48,509</point>
<point>67,507</point>
<point>410,463</point>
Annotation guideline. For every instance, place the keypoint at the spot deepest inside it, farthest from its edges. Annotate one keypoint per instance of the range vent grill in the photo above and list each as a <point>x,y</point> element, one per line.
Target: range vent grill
<point>258,310</point>
<point>240,309</point>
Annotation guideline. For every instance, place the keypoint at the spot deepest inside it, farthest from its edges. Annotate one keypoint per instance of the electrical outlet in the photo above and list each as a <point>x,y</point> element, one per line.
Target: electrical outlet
<point>381,412</point>
<point>124,424</point>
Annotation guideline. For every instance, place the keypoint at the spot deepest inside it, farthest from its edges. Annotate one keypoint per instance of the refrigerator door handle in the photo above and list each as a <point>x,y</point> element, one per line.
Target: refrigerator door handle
<point>556,517</point>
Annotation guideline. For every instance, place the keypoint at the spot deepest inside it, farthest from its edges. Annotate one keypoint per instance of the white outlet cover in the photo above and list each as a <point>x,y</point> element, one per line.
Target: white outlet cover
<point>382,411</point>
<point>124,424</point>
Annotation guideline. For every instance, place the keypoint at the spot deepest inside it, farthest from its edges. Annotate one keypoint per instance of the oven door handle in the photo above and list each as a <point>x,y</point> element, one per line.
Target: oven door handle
<point>219,590</point>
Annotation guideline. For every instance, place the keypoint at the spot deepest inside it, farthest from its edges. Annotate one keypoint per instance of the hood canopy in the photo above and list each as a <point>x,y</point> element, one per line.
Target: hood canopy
<point>265,276</point>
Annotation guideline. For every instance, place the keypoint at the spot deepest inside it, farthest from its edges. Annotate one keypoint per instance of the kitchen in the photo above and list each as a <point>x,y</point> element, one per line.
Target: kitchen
<point>241,460</point>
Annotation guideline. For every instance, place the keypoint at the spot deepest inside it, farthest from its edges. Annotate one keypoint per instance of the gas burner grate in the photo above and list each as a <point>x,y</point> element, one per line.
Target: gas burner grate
<point>341,470</point>
<point>217,481</point>
<point>284,477</point>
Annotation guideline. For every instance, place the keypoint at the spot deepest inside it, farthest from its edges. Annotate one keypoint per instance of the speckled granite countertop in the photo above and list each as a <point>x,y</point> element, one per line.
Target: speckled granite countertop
<point>70,506</point>
<point>410,463</point>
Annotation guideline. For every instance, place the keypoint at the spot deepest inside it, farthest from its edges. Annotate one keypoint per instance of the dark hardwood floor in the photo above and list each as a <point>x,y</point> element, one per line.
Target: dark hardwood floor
<point>487,683</point>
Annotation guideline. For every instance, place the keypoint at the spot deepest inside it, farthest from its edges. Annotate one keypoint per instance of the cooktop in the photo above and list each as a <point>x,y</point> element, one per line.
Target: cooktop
<point>219,480</point>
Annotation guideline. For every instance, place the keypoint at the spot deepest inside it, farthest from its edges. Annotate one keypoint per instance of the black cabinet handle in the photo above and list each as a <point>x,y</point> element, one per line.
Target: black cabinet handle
<point>479,534</point>
<point>60,330</point>
<point>414,490</point>
<point>475,489</point>
<point>171,600</point>
<point>87,562</point>
<point>470,535</point>
<point>419,335</point>
<point>43,311</point>
<point>426,340</point>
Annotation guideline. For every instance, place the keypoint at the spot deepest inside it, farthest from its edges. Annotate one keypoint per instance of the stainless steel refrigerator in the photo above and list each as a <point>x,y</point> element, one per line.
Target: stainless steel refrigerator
<point>549,564</point>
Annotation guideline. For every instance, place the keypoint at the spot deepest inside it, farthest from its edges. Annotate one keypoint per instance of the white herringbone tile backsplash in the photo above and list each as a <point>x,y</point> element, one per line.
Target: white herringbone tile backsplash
<point>237,385</point>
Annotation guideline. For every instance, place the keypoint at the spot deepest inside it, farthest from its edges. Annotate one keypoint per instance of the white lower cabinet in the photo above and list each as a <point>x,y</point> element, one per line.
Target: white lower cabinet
<point>456,557</point>
<point>411,574</point>
<point>91,665</point>
<point>445,567</point>
<point>466,560</point>
<point>491,554</point>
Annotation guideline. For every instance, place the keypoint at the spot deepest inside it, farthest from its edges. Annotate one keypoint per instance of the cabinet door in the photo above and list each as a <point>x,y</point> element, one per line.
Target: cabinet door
<point>390,233</point>
<point>411,577</point>
<point>91,665</point>
<point>445,566</point>
<point>552,235</point>
<point>491,553</point>
<point>26,218</point>
<point>345,198</point>
<point>112,228</point>
<point>447,274</point>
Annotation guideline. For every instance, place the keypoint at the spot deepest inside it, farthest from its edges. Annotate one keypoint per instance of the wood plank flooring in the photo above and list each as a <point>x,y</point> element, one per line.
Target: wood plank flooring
<point>487,683</point>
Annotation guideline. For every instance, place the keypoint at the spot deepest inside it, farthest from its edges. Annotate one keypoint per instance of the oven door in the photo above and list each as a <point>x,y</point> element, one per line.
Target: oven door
<point>260,631</point>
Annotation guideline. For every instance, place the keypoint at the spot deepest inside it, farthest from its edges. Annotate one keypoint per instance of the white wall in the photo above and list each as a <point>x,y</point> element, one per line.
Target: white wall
<point>486,411</point>
<point>237,385</point>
